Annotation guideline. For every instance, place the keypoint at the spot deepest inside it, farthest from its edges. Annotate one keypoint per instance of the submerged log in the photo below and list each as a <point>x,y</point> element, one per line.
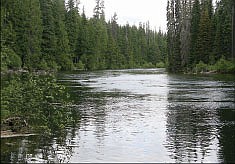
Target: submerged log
<point>10,134</point>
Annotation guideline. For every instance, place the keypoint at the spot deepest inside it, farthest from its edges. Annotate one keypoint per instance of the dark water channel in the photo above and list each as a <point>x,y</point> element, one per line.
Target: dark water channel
<point>141,115</point>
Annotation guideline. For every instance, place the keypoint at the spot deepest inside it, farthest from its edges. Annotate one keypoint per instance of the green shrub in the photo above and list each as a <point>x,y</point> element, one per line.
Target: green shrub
<point>65,63</point>
<point>80,65</point>
<point>224,66</point>
<point>43,65</point>
<point>10,59</point>
<point>148,65</point>
<point>14,61</point>
<point>53,65</point>
<point>4,114</point>
<point>160,65</point>
<point>201,67</point>
<point>39,100</point>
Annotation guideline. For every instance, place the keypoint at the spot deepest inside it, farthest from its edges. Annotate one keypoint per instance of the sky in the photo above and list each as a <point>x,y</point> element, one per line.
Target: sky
<point>132,11</point>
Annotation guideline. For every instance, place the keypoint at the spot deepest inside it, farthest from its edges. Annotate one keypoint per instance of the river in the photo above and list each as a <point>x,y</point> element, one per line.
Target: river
<point>140,115</point>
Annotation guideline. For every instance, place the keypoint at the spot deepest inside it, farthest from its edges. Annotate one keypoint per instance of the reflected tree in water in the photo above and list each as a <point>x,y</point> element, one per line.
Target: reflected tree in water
<point>227,134</point>
<point>190,132</point>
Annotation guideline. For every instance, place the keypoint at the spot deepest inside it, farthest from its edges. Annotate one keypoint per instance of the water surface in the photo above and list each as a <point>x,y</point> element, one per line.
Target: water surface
<point>141,115</point>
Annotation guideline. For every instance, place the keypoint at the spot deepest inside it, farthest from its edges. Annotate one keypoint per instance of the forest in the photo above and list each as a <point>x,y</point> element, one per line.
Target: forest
<point>199,36</point>
<point>57,108</point>
<point>57,35</point>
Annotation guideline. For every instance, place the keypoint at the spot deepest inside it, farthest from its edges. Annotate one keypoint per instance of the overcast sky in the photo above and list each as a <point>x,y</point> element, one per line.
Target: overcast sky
<point>132,11</point>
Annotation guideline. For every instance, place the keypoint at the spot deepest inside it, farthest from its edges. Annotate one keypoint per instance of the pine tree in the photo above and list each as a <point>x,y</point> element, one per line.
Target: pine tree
<point>203,45</point>
<point>63,57</point>
<point>97,10</point>
<point>233,31</point>
<point>25,21</point>
<point>72,26</point>
<point>171,34</point>
<point>223,40</point>
<point>82,42</point>
<point>48,35</point>
<point>34,34</point>
<point>185,35</point>
<point>45,34</point>
<point>177,56</point>
<point>194,32</point>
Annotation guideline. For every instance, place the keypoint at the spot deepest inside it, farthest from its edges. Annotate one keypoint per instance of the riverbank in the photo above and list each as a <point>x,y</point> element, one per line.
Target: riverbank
<point>19,71</point>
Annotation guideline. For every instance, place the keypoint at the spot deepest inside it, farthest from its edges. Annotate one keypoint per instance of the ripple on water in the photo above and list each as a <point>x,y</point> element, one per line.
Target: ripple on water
<point>147,116</point>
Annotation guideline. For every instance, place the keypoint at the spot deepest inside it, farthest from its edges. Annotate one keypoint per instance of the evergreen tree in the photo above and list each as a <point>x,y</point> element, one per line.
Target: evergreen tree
<point>82,42</point>
<point>48,35</point>
<point>203,44</point>
<point>63,57</point>
<point>223,40</point>
<point>72,25</point>
<point>25,25</point>
<point>194,32</point>
<point>177,56</point>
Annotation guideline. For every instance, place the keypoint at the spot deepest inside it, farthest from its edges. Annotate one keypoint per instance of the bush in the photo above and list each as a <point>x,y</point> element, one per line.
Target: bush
<point>65,63</point>
<point>80,65</point>
<point>53,65</point>
<point>39,100</point>
<point>201,67</point>
<point>4,114</point>
<point>224,66</point>
<point>43,65</point>
<point>10,59</point>
<point>14,61</point>
<point>160,65</point>
<point>148,65</point>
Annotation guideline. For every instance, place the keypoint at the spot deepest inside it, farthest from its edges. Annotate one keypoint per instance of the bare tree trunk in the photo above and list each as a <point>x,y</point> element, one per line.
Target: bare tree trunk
<point>185,32</point>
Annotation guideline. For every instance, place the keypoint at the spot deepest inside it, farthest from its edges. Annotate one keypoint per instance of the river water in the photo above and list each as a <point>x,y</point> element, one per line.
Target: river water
<point>140,115</point>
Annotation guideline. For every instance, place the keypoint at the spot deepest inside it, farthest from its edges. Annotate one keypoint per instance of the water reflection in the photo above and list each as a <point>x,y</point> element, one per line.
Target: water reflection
<point>122,117</point>
<point>34,149</point>
<point>191,134</point>
<point>194,122</point>
<point>227,134</point>
<point>139,116</point>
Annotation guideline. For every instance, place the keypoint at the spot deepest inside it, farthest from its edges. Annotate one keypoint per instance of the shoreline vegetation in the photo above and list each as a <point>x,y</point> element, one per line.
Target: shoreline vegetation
<point>34,103</point>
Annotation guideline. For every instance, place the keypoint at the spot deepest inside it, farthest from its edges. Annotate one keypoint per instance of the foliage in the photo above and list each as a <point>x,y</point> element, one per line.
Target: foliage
<point>80,65</point>
<point>201,67</point>
<point>225,66</point>
<point>204,30</point>
<point>51,34</point>
<point>148,65</point>
<point>10,59</point>
<point>160,65</point>
<point>221,66</point>
<point>43,65</point>
<point>65,63</point>
<point>39,100</point>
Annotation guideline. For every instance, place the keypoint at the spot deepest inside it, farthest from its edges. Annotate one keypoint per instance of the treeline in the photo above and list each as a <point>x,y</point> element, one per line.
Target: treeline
<point>199,36</point>
<point>52,34</point>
